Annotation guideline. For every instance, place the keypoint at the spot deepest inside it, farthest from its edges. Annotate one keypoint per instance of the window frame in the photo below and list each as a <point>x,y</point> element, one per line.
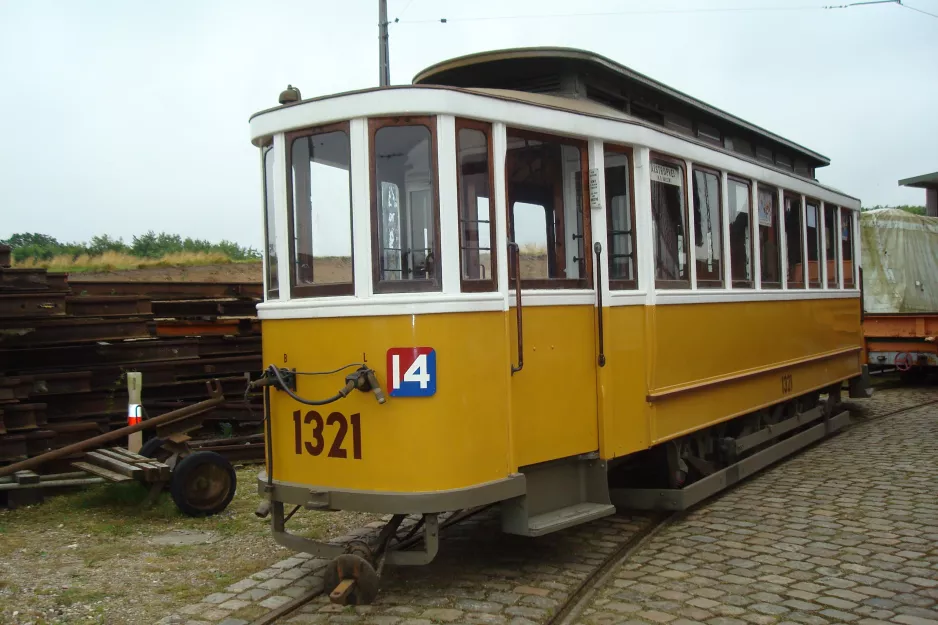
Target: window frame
<point>554,284</point>
<point>751,283</point>
<point>710,284</point>
<point>682,163</point>
<point>835,238</point>
<point>317,290</point>
<point>489,284</point>
<point>819,238</point>
<point>268,147</point>
<point>847,214</point>
<point>618,284</point>
<point>774,286</point>
<point>800,284</point>
<point>434,284</point>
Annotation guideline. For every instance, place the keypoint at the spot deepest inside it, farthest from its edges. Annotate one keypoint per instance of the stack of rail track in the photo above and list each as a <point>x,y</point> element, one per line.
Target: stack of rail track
<point>66,345</point>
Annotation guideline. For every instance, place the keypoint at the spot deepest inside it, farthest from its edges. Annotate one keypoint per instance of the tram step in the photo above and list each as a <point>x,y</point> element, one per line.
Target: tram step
<point>567,517</point>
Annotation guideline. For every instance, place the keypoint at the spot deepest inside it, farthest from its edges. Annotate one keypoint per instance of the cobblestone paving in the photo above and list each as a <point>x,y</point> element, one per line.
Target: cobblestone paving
<point>846,532</point>
<point>484,577</point>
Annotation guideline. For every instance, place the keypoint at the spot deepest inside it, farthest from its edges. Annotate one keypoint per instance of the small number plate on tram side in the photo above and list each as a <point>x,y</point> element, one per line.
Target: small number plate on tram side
<point>313,434</point>
<point>412,371</point>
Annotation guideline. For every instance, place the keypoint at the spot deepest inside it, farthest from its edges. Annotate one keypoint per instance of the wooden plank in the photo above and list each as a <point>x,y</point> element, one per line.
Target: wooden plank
<point>26,477</point>
<point>110,476</point>
<point>133,460</point>
<point>128,456</point>
<point>108,462</point>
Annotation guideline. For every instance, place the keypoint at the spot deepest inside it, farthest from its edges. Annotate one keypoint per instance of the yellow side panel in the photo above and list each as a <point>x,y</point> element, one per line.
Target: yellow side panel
<point>735,355</point>
<point>694,342</point>
<point>454,439</point>
<point>553,399</point>
<point>622,387</point>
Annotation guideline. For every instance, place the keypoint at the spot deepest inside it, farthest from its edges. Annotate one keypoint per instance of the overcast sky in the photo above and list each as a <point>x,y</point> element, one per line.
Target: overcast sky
<point>123,116</point>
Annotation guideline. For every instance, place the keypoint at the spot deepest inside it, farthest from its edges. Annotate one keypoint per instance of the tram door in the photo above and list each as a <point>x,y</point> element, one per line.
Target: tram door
<point>553,403</point>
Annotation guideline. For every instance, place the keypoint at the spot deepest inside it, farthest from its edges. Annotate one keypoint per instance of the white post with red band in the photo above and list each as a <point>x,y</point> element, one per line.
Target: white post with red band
<point>134,409</point>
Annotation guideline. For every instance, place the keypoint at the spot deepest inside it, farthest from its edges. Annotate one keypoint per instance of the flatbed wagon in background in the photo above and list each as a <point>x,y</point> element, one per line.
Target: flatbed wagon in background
<point>899,252</point>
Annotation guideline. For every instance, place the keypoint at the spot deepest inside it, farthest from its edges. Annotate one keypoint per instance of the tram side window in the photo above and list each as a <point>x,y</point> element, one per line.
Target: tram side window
<point>270,226</point>
<point>620,231</point>
<point>476,226</point>
<point>320,205</point>
<point>814,243</point>
<point>793,245</point>
<point>740,215</point>
<point>846,237</point>
<point>546,217</point>
<point>405,208</point>
<point>830,240</point>
<point>708,228</point>
<point>769,237</point>
<point>669,219</point>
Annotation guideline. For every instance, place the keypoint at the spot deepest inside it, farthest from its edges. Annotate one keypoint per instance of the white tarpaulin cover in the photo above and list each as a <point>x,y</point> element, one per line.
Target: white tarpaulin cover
<point>899,256</point>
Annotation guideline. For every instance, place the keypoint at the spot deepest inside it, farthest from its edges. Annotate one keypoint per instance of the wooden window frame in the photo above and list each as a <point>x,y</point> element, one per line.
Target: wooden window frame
<point>800,283</point>
<point>673,284</point>
<point>489,284</point>
<point>435,283</point>
<point>712,284</point>
<point>275,292</point>
<point>775,286</point>
<point>317,290</point>
<point>751,283</point>
<point>836,244</point>
<point>819,205</point>
<point>846,213</point>
<point>554,284</point>
<point>618,284</point>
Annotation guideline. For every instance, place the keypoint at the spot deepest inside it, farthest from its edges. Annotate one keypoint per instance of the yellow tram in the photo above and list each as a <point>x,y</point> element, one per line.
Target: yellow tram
<point>542,280</point>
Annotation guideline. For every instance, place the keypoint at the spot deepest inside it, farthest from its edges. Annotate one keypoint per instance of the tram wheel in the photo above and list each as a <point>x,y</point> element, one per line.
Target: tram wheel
<point>351,580</point>
<point>203,484</point>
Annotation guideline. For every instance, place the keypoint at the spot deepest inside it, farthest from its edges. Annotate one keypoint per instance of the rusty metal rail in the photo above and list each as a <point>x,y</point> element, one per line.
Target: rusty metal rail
<point>170,290</point>
<point>97,441</point>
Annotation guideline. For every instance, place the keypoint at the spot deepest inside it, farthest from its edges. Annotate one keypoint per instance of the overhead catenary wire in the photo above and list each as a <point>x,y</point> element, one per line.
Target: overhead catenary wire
<point>684,11</point>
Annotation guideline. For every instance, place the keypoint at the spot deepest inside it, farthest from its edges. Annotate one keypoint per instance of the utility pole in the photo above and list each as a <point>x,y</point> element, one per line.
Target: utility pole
<point>384,67</point>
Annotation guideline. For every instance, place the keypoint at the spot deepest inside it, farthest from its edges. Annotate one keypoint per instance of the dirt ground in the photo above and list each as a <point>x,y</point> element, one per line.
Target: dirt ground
<point>96,556</point>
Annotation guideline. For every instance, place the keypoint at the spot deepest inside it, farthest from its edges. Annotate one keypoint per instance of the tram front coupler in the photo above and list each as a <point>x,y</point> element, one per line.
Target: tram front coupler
<point>353,574</point>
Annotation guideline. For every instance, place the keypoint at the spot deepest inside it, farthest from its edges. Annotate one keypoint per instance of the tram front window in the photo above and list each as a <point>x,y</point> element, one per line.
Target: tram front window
<point>320,202</point>
<point>405,206</point>
<point>476,226</point>
<point>270,225</point>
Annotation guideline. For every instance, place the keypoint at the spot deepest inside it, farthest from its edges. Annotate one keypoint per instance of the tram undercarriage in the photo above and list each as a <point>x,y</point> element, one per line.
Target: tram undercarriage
<point>674,475</point>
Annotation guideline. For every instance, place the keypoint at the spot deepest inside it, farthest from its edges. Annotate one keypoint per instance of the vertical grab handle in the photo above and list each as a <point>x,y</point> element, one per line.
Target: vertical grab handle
<point>517,258</point>
<point>598,248</point>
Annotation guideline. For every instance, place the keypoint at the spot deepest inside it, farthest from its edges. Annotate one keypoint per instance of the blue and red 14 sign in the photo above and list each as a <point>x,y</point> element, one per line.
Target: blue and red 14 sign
<point>412,371</point>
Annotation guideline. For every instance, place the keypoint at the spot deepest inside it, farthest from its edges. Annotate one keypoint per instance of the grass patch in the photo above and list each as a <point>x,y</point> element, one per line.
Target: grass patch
<point>117,261</point>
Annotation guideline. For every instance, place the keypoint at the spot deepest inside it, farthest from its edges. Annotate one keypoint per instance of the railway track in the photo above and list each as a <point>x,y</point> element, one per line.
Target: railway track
<point>585,591</point>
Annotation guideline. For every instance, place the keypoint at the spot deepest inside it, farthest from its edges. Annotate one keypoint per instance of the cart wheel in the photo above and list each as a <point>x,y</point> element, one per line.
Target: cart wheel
<point>351,580</point>
<point>153,448</point>
<point>203,484</point>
